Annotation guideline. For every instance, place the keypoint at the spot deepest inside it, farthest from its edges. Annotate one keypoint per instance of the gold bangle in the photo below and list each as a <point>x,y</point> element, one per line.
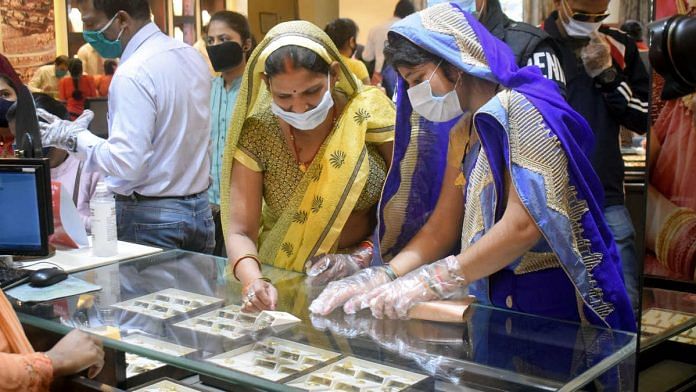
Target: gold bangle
<point>246,256</point>
<point>668,230</point>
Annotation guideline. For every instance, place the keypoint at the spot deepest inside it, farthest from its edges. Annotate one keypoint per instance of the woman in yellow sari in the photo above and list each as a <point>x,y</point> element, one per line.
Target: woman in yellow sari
<point>308,151</point>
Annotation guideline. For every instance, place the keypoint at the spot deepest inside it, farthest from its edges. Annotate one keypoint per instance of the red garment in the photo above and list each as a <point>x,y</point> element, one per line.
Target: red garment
<point>103,85</point>
<point>66,87</point>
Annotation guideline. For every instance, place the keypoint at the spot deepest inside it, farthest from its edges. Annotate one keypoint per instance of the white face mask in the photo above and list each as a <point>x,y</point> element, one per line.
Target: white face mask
<point>310,119</point>
<point>578,29</point>
<point>437,109</point>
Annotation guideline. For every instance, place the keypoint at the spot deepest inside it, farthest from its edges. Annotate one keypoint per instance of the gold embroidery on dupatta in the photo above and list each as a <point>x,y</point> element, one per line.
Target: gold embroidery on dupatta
<point>533,148</point>
<point>537,261</point>
<point>479,179</point>
<point>395,209</point>
<point>441,19</point>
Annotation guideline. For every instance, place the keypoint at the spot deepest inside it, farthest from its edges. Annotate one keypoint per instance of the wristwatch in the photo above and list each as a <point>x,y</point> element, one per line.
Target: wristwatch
<point>71,143</point>
<point>608,76</point>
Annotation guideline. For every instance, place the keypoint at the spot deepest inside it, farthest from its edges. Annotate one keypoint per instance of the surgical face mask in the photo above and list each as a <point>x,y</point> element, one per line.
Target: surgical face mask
<point>225,56</point>
<point>437,109</point>
<point>105,47</point>
<point>576,28</point>
<point>579,29</point>
<point>310,119</point>
<point>60,73</point>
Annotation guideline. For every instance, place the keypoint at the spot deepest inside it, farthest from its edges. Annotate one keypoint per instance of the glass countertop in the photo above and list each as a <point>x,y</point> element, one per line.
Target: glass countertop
<point>667,314</point>
<point>178,308</point>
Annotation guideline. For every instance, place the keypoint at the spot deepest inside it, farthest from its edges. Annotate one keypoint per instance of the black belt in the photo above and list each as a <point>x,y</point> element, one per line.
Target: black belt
<point>138,197</point>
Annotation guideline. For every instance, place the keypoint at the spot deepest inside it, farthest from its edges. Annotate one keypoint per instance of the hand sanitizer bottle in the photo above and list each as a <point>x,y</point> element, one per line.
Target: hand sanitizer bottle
<point>103,215</point>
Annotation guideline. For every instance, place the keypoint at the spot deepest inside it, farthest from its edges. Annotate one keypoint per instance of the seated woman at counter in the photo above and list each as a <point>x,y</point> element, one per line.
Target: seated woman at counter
<point>518,189</point>
<point>308,151</point>
<point>22,369</point>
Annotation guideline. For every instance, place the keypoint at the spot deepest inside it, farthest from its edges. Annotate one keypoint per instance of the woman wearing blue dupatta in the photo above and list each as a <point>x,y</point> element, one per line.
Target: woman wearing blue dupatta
<point>515,186</point>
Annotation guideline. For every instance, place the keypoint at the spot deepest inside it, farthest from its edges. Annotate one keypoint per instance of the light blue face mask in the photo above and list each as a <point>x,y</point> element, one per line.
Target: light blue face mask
<point>465,5</point>
<point>105,47</point>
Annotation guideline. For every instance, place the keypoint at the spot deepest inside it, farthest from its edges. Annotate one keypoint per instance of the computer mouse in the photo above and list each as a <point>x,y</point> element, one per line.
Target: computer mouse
<point>47,277</point>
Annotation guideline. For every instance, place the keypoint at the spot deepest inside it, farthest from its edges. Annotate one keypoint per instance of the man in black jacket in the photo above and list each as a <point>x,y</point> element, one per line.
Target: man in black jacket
<point>531,45</point>
<point>606,83</point>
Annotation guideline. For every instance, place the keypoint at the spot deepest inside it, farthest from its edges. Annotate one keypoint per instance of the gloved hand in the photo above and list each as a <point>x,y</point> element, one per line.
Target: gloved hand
<point>326,268</point>
<point>340,291</point>
<point>259,295</point>
<point>596,56</point>
<point>440,280</point>
<point>55,132</point>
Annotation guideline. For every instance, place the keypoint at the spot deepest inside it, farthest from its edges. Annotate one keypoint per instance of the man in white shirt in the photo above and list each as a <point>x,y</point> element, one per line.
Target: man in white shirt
<point>46,77</point>
<point>377,37</point>
<point>156,159</point>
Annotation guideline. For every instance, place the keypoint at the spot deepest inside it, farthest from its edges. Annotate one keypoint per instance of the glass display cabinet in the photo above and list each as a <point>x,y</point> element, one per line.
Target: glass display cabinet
<point>176,315</point>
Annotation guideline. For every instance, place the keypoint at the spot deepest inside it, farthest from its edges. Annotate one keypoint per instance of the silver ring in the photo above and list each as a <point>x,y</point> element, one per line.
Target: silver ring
<point>250,295</point>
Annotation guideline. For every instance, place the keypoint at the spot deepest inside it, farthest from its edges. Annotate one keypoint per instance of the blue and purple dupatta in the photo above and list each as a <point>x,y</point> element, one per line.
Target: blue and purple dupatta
<point>528,130</point>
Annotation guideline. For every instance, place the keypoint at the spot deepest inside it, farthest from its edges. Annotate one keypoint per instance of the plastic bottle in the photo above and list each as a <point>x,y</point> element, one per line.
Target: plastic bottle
<point>103,215</point>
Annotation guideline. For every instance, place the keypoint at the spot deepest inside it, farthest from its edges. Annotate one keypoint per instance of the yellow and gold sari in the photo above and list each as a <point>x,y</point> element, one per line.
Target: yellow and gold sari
<point>326,195</point>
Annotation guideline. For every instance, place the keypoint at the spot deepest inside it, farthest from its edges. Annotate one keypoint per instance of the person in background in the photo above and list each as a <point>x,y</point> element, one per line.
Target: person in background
<point>8,96</point>
<point>76,89</point>
<point>23,369</point>
<point>156,159</point>
<point>307,153</point>
<point>608,85</point>
<point>344,33</point>
<point>229,43</point>
<point>519,193</point>
<point>634,29</point>
<point>46,77</point>
<point>200,46</point>
<point>104,82</point>
<point>92,62</point>
<point>80,184</point>
<point>374,50</point>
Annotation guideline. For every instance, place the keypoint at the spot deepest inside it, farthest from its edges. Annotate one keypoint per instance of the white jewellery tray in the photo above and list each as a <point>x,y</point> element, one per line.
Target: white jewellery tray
<point>353,374</point>
<point>232,323</point>
<point>165,386</point>
<point>273,358</point>
<point>167,304</point>
<point>138,364</point>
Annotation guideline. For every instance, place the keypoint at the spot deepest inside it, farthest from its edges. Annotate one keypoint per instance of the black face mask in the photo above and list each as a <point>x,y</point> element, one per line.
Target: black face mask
<point>4,107</point>
<point>225,56</point>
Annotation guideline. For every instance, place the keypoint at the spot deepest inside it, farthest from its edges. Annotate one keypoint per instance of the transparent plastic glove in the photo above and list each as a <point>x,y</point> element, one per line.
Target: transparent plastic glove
<point>340,291</point>
<point>439,280</point>
<point>596,56</point>
<point>259,295</point>
<point>327,268</point>
<point>56,132</point>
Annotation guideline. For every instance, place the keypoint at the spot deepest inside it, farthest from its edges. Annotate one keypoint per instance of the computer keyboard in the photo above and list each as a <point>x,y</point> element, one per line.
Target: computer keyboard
<point>10,277</point>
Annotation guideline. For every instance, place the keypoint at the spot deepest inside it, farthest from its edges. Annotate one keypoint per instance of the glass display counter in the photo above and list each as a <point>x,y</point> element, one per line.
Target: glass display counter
<point>178,312</point>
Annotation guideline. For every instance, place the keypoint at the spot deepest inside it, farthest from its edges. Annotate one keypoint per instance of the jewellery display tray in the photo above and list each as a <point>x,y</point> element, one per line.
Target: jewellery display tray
<point>138,364</point>
<point>165,385</point>
<point>228,326</point>
<point>352,374</point>
<point>157,311</point>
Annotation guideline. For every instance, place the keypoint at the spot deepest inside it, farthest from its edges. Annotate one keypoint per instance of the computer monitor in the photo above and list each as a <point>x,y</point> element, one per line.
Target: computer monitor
<point>27,213</point>
<point>27,138</point>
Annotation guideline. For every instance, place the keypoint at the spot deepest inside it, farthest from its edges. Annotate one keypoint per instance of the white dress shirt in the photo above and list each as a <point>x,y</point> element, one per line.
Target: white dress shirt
<point>376,39</point>
<point>159,113</point>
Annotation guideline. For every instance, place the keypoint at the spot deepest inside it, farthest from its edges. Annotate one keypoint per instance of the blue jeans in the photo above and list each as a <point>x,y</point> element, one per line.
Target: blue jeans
<point>619,222</point>
<point>183,223</point>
